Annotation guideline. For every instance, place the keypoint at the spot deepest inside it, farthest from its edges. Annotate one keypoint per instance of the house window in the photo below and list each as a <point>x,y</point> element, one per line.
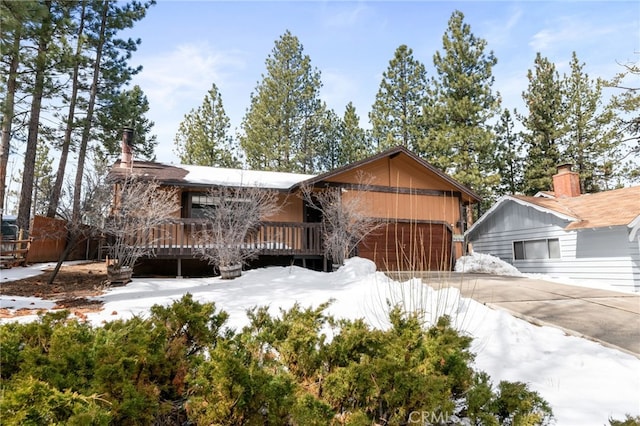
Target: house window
<point>537,249</point>
<point>200,203</point>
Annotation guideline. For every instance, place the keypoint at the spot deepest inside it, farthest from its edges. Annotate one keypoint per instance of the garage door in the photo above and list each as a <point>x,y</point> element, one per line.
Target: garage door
<point>403,246</point>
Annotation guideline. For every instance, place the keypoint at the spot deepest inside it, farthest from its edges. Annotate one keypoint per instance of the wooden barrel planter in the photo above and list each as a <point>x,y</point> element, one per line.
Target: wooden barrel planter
<point>117,275</point>
<point>230,272</point>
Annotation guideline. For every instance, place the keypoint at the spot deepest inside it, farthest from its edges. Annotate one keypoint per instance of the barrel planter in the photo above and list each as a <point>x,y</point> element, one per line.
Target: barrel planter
<point>230,272</point>
<point>119,275</point>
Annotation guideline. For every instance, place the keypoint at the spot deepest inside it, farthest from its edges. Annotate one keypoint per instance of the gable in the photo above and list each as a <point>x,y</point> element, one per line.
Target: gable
<point>509,214</point>
<point>398,168</point>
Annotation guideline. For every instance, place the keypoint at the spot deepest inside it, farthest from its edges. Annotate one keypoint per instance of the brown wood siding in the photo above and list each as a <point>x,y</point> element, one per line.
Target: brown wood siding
<point>409,246</point>
<point>291,210</point>
<point>400,172</point>
<point>392,206</point>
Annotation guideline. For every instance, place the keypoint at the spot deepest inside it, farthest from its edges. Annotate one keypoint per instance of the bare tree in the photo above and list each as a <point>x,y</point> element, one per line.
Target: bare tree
<point>140,207</point>
<point>232,215</point>
<point>344,216</point>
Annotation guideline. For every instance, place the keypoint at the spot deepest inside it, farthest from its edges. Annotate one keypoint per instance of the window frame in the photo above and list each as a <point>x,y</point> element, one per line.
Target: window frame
<point>551,245</point>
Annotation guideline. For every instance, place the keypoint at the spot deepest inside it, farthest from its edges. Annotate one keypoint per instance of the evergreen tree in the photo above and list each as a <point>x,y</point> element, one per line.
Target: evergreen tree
<point>589,140</point>
<point>544,125</point>
<point>43,180</point>
<point>330,143</point>
<point>125,108</point>
<point>508,148</point>
<point>15,16</point>
<point>353,139</point>
<point>48,15</point>
<point>203,136</point>
<point>625,107</point>
<point>282,127</point>
<point>396,115</point>
<point>460,139</point>
<point>77,60</point>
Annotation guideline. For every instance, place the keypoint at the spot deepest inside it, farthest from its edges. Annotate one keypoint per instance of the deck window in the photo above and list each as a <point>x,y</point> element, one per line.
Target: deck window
<point>537,249</point>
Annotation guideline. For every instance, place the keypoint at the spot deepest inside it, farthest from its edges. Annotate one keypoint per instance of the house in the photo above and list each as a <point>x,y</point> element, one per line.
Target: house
<point>421,212</point>
<point>566,234</point>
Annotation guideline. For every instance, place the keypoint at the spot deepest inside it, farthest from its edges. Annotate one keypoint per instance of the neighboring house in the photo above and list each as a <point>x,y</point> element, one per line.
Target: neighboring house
<point>565,234</point>
<point>421,211</point>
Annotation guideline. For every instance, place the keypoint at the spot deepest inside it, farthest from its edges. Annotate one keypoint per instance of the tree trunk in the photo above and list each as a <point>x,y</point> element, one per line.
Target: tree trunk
<point>24,209</point>
<point>66,143</point>
<point>82,153</point>
<point>7,116</point>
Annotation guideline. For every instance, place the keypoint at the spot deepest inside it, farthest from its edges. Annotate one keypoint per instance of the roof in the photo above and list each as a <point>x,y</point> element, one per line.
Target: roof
<point>398,150</point>
<point>618,207</point>
<point>185,175</point>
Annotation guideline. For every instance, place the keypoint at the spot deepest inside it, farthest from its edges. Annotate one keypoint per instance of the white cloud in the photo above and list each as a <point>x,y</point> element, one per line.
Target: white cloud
<point>568,31</point>
<point>176,81</point>
<point>348,16</point>
<point>185,72</point>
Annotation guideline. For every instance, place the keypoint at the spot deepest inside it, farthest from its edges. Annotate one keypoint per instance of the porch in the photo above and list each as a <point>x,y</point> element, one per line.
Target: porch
<point>179,239</point>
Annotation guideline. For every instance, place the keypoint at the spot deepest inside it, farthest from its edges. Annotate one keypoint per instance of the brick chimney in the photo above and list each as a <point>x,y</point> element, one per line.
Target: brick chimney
<point>127,147</point>
<point>566,183</point>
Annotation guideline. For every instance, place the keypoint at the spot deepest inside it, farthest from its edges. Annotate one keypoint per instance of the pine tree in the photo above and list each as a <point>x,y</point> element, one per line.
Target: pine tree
<point>43,180</point>
<point>15,15</point>
<point>508,148</point>
<point>49,15</point>
<point>544,125</point>
<point>281,129</point>
<point>77,61</point>
<point>461,105</point>
<point>353,138</point>
<point>589,139</point>
<point>203,136</point>
<point>396,115</point>
<point>625,108</point>
<point>330,143</point>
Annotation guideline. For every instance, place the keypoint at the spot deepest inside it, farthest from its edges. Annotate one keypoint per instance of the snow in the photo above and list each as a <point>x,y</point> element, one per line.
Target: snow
<point>236,177</point>
<point>485,263</point>
<point>585,382</point>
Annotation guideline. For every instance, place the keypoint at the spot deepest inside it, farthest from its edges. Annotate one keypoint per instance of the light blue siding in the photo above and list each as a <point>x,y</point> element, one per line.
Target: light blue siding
<point>603,254</point>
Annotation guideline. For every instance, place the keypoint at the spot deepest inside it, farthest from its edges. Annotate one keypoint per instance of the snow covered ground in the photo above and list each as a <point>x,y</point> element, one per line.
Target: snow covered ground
<point>585,383</point>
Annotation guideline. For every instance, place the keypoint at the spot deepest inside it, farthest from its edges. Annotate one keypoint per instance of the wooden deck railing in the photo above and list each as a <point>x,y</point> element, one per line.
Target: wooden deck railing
<point>179,239</point>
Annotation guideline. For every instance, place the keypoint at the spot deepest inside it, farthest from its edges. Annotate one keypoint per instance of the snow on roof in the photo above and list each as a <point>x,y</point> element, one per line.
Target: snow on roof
<point>202,175</point>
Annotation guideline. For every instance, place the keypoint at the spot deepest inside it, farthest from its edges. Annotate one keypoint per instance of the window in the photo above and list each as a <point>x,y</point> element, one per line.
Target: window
<point>537,249</point>
<point>199,204</point>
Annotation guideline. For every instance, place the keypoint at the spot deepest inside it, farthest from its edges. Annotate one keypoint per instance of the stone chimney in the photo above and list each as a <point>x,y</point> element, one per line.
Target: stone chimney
<point>566,183</point>
<point>127,147</point>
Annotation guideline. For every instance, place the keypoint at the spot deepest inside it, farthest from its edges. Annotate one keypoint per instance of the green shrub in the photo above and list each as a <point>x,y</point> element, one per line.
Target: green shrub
<point>181,363</point>
<point>628,421</point>
<point>28,401</point>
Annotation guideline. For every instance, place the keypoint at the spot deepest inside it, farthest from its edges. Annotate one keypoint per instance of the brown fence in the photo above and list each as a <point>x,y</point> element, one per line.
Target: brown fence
<point>48,240</point>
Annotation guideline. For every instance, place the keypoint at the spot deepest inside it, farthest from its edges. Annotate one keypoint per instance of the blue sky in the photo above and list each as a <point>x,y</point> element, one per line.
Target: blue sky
<point>188,45</point>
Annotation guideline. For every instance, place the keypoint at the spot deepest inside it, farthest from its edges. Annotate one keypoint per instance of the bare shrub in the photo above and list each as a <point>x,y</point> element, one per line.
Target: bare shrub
<point>235,213</point>
<point>140,206</point>
<point>344,216</point>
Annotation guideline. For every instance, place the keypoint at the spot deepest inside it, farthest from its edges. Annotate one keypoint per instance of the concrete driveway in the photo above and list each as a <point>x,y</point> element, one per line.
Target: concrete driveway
<point>608,317</point>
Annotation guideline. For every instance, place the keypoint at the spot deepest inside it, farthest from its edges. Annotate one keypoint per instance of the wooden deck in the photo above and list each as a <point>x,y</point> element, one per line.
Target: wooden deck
<point>179,239</point>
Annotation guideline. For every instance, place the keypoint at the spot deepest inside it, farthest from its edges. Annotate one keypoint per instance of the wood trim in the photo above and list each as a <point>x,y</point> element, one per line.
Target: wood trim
<point>391,190</point>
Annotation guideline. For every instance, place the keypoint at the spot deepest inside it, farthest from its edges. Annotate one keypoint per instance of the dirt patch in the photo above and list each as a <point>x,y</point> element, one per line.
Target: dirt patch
<point>71,289</point>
